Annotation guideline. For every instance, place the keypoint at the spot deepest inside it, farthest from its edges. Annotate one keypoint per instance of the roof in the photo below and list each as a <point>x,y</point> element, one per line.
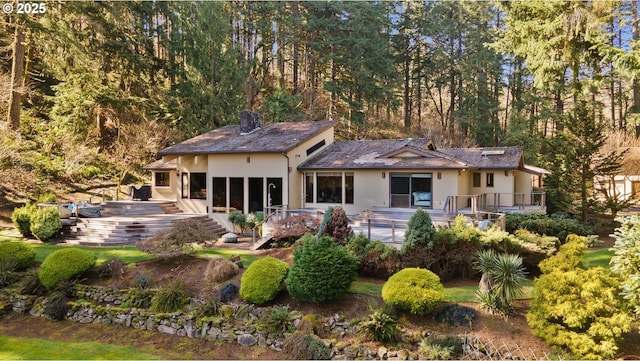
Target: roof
<point>410,154</point>
<point>162,165</point>
<point>270,138</point>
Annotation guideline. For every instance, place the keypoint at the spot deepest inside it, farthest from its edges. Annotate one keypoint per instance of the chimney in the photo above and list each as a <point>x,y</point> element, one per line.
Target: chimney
<point>249,122</point>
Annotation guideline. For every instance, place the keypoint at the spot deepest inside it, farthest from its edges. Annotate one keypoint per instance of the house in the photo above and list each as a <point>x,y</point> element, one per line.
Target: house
<point>625,186</point>
<point>252,166</point>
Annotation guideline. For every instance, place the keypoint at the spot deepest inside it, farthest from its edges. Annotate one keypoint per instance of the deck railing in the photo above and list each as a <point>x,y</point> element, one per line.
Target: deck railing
<point>495,202</point>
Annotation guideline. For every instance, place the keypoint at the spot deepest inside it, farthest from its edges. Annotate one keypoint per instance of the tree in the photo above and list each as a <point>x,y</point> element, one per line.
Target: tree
<point>626,260</point>
<point>420,231</point>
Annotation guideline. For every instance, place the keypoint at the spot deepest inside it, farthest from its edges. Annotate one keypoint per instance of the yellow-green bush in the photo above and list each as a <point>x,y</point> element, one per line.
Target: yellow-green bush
<point>21,218</point>
<point>262,281</point>
<point>63,265</point>
<point>45,223</point>
<point>416,290</point>
<point>17,252</point>
<point>578,309</point>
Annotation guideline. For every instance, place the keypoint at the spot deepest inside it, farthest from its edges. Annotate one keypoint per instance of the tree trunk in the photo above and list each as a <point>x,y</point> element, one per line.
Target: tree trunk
<point>17,80</point>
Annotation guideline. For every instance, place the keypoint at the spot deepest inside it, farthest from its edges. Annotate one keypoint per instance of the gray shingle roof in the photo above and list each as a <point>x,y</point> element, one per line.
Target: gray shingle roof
<point>271,138</point>
<point>383,154</point>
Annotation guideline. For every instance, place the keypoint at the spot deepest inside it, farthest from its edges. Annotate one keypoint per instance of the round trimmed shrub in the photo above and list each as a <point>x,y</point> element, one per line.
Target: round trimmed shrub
<point>21,218</point>
<point>18,252</point>
<point>322,271</point>
<point>219,270</point>
<point>262,281</point>
<point>63,265</point>
<point>416,290</point>
<point>45,223</point>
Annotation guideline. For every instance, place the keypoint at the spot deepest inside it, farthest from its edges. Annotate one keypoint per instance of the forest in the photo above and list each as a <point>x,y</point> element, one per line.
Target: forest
<point>92,90</point>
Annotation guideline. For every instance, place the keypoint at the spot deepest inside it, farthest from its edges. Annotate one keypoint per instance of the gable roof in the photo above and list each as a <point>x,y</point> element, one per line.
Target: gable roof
<point>270,138</point>
<point>410,154</point>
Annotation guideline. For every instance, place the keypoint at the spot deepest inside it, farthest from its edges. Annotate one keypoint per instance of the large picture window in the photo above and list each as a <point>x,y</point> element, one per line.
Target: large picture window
<point>162,179</point>
<point>329,188</point>
<point>198,186</point>
<point>348,188</point>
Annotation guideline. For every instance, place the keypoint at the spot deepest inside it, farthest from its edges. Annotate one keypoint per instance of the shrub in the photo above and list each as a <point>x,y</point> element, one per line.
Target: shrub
<point>30,283</point>
<point>56,308</point>
<point>441,347</point>
<point>21,218</point>
<point>300,346</point>
<point>577,309</point>
<point>8,269</point>
<point>456,315</point>
<point>557,225</point>
<point>19,252</point>
<point>337,227</point>
<point>325,219</point>
<point>171,298</point>
<point>112,268</point>
<point>375,259</point>
<point>228,292</point>
<point>322,271</point>
<point>280,320</point>
<point>294,227</point>
<point>238,219</point>
<point>142,281</point>
<point>219,270</point>
<point>262,281</point>
<point>380,326</point>
<point>45,223</point>
<point>176,240</point>
<point>419,231</point>
<point>209,309</point>
<point>63,265</point>
<point>416,290</point>
<point>626,260</point>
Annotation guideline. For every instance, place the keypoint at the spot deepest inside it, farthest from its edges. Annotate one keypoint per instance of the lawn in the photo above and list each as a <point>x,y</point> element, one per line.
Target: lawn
<point>130,254</point>
<point>599,257</point>
<point>15,348</point>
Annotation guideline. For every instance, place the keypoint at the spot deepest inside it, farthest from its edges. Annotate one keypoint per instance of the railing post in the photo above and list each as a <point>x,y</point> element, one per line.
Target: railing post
<point>393,231</point>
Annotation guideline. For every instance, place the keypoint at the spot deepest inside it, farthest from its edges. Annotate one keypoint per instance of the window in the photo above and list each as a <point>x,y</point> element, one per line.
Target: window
<point>329,188</point>
<point>198,186</point>
<point>315,147</point>
<point>348,188</point>
<point>162,179</point>
<point>219,194</point>
<point>185,185</point>
<point>308,187</point>
<point>476,180</point>
<point>236,194</point>
<point>256,195</point>
<point>489,179</point>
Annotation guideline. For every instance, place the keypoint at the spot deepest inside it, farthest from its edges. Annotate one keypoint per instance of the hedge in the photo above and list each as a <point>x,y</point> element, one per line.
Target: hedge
<point>18,252</point>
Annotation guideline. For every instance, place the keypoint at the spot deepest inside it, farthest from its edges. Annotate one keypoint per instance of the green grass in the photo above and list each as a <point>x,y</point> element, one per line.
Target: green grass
<point>246,257</point>
<point>15,348</point>
<point>600,257</point>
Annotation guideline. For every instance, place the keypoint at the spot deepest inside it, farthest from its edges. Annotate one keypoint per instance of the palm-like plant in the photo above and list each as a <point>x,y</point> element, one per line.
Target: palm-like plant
<point>503,278</point>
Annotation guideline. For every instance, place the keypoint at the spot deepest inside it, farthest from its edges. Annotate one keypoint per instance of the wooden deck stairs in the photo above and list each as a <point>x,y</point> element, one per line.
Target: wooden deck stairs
<point>126,222</point>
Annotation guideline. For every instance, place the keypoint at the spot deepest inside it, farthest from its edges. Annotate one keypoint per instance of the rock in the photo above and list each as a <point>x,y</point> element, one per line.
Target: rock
<point>236,259</point>
<point>167,329</point>
<point>382,352</point>
<point>214,331</point>
<point>262,341</point>
<point>247,340</point>
<point>230,238</point>
<point>150,324</point>
<point>190,330</point>
<point>205,328</point>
